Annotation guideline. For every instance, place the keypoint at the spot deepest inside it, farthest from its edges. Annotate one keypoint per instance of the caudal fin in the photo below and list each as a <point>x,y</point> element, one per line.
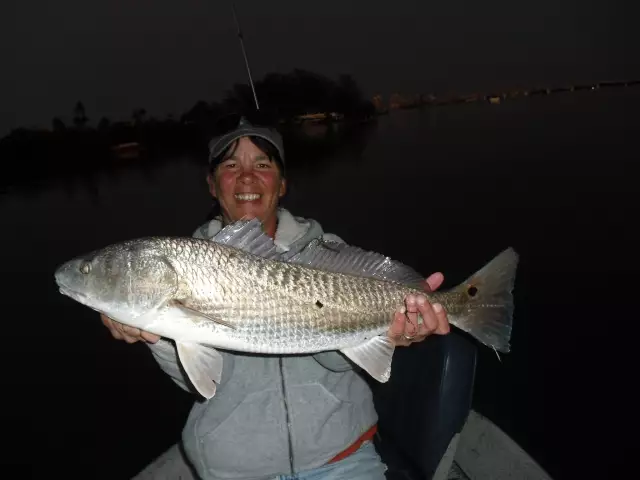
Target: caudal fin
<point>488,311</point>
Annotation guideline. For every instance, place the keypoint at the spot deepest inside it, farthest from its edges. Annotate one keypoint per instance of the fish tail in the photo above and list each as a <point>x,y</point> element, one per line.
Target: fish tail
<point>487,310</point>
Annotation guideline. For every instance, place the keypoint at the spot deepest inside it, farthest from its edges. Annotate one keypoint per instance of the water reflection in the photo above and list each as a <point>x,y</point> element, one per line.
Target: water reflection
<point>444,189</point>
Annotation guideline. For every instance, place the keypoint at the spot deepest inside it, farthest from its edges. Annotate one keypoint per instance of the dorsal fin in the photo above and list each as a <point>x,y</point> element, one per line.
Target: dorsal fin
<point>340,258</point>
<point>247,235</point>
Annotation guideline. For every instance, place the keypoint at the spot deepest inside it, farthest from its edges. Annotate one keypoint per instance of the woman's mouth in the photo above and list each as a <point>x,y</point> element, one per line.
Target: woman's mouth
<point>247,197</point>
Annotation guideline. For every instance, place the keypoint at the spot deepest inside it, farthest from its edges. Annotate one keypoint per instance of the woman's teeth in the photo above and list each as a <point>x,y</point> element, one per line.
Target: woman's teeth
<point>247,196</point>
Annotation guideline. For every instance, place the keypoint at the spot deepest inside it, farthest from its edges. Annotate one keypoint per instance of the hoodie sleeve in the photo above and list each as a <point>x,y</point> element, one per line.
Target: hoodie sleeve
<point>165,353</point>
<point>335,361</point>
<point>202,231</point>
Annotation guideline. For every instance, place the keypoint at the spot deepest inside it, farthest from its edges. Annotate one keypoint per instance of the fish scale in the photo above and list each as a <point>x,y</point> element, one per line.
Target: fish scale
<point>266,292</point>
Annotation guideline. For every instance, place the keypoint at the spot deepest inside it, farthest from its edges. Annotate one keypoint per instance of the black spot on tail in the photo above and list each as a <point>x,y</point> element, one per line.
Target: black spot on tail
<point>319,304</point>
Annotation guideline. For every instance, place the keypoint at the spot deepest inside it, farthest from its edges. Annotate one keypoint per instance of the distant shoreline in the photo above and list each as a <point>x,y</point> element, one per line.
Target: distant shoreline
<point>398,101</point>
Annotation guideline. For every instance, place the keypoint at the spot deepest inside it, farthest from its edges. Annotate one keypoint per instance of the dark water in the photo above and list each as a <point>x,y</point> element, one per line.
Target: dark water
<point>443,190</point>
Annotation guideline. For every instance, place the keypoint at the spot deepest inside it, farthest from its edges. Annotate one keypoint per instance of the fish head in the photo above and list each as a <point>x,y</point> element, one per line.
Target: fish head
<point>124,281</point>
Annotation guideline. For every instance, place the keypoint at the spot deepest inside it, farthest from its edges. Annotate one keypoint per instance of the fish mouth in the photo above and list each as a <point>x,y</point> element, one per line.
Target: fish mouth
<point>81,298</point>
<point>77,296</point>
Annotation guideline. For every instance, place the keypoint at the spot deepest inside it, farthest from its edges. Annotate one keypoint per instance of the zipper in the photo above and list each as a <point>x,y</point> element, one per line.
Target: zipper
<point>286,412</point>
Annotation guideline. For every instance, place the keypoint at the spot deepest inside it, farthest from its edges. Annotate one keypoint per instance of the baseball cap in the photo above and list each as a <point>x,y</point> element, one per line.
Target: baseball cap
<point>234,126</point>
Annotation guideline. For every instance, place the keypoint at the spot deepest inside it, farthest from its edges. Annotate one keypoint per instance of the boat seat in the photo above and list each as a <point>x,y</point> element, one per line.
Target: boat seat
<point>424,406</point>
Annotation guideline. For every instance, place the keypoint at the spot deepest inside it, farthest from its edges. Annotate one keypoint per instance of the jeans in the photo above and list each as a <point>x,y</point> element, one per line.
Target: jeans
<point>364,464</point>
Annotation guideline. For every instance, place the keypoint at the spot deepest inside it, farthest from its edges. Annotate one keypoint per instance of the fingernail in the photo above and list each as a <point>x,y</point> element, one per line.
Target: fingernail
<point>403,310</point>
<point>421,300</point>
<point>437,307</point>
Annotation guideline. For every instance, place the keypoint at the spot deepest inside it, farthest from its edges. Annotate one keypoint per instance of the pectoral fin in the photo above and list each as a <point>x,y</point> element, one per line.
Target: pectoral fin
<point>374,357</point>
<point>193,311</point>
<point>203,366</point>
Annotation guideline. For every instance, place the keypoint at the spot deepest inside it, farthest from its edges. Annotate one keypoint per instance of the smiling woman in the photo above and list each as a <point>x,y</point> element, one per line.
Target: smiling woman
<point>246,174</point>
<point>309,415</point>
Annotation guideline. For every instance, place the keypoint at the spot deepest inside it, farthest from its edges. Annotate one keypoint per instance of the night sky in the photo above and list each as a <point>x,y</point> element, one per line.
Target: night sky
<point>117,55</point>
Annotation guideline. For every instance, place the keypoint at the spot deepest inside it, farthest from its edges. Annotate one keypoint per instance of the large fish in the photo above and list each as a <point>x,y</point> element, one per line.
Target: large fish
<point>237,293</point>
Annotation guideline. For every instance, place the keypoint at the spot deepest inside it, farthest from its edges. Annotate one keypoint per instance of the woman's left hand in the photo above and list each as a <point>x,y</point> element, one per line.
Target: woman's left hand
<point>405,330</point>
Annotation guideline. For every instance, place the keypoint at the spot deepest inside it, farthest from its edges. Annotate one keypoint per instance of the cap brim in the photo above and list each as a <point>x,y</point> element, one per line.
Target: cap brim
<point>220,144</point>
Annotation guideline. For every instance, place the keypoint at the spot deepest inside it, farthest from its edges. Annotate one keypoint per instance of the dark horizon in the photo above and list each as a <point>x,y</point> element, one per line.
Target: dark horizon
<point>118,58</point>
<point>239,94</point>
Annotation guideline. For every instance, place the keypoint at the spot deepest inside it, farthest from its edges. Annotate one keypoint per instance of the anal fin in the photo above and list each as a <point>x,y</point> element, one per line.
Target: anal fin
<point>374,357</point>
<point>203,366</point>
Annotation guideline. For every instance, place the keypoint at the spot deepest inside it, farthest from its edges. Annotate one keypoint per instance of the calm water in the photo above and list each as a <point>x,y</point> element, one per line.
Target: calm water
<point>441,190</point>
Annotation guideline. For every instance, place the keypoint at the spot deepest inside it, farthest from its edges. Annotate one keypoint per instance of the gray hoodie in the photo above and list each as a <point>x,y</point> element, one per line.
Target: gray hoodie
<point>273,415</point>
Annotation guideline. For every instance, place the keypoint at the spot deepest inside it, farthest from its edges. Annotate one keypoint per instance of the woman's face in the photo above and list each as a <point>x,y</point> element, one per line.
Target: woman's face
<point>247,184</point>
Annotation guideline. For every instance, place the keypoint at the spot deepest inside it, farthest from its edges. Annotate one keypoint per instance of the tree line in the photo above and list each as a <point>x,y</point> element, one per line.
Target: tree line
<point>87,143</point>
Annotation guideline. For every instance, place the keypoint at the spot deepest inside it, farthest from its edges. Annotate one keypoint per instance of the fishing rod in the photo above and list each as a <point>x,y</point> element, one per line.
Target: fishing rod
<point>244,54</point>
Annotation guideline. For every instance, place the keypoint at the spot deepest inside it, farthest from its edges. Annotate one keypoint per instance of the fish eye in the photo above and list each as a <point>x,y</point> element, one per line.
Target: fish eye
<point>85,268</point>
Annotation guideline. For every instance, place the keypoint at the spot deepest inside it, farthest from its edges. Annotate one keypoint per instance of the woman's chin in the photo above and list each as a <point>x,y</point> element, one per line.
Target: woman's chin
<point>248,212</point>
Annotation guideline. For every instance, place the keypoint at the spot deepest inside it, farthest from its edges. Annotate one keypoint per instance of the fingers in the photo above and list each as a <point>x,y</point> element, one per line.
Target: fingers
<point>434,281</point>
<point>110,324</point>
<point>130,334</point>
<point>441,317</point>
<point>149,337</point>
<point>417,321</point>
<point>120,331</point>
<point>414,324</point>
<point>408,323</point>
<point>434,318</point>
<point>397,329</point>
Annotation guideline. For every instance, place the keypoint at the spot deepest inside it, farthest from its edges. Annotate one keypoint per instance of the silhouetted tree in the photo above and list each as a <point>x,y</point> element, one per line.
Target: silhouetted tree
<point>299,92</point>
<point>104,124</point>
<point>201,113</point>
<point>349,98</point>
<point>58,125</point>
<point>139,115</point>
<point>79,117</point>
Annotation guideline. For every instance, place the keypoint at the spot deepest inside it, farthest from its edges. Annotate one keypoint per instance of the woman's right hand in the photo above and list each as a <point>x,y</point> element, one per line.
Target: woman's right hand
<point>120,331</point>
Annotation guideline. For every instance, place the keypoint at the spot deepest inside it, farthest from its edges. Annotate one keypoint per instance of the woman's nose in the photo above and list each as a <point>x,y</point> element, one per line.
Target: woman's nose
<point>246,176</point>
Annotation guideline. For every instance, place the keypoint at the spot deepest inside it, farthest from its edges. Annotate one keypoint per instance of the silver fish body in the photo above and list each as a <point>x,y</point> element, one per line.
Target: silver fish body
<point>236,293</point>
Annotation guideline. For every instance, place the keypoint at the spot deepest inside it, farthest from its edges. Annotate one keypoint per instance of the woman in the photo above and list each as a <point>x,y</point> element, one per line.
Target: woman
<point>273,417</point>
